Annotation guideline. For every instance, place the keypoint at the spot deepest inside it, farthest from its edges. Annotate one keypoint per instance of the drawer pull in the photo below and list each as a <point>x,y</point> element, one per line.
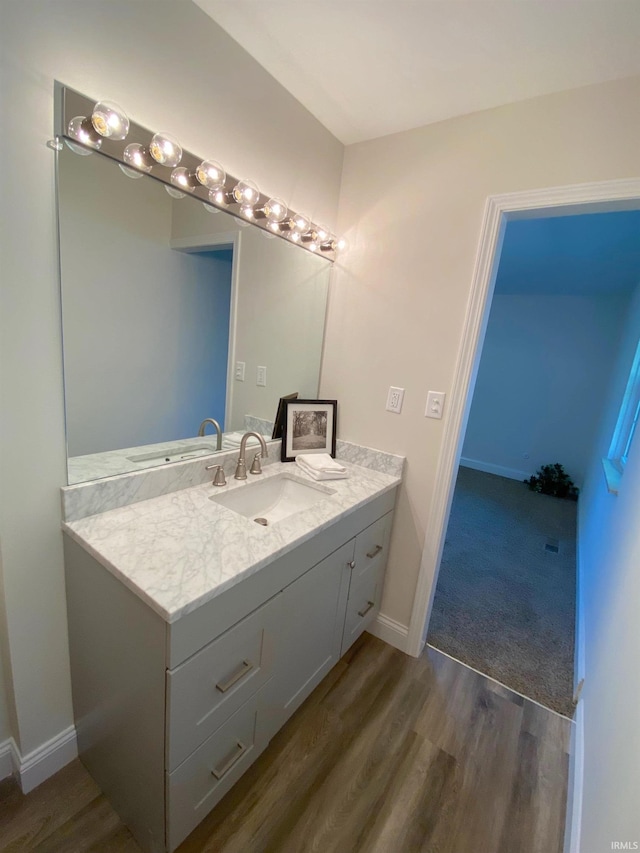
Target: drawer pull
<point>245,669</point>
<point>375,552</point>
<point>219,772</point>
<point>364,612</point>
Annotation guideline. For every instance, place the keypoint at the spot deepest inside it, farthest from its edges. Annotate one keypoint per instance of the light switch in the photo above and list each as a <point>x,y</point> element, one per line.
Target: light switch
<point>435,404</point>
<point>240,371</point>
<point>261,376</point>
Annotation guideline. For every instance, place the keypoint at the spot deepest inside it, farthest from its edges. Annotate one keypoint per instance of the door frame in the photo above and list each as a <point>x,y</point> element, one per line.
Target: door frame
<point>602,196</point>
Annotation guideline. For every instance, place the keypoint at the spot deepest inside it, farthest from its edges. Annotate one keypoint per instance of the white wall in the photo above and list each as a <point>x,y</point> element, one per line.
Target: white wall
<point>173,69</point>
<point>609,548</point>
<point>543,375</point>
<point>411,207</point>
<point>146,327</point>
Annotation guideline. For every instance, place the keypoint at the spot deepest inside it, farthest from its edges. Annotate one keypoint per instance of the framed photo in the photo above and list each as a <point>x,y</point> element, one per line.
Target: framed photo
<point>278,424</point>
<point>309,427</point>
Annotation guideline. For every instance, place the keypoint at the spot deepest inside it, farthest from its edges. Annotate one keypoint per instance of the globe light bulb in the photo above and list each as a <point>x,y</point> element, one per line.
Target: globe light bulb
<point>247,211</point>
<point>110,120</point>
<point>300,223</point>
<point>218,197</point>
<point>81,129</point>
<point>294,236</point>
<point>246,192</point>
<point>165,149</point>
<point>137,157</point>
<point>322,233</point>
<point>211,175</point>
<point>173,192</point>
<point>274,226</point>
<point>181,177</point>
<point>275,210</point>
<point>340,245</point>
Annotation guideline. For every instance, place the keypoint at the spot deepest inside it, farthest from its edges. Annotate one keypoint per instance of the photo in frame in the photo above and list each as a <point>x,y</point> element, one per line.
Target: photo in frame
<point>309,427</point>
<point>278,424</point>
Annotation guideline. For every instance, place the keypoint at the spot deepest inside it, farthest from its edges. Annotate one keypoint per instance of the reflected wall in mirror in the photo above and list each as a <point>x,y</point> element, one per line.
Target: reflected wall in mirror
<point>160,301</point>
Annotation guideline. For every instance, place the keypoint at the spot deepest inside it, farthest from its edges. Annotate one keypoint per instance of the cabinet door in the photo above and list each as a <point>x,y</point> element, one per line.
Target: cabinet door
<point>314,609</point>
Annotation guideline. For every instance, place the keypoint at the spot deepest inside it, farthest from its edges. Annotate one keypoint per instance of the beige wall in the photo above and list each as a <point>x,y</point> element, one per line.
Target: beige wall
<point>173,69</point>
<point>411,207</point>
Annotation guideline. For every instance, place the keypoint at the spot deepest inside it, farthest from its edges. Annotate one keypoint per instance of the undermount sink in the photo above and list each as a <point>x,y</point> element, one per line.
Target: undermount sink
<point>273,499</point>
<point>174,454</point>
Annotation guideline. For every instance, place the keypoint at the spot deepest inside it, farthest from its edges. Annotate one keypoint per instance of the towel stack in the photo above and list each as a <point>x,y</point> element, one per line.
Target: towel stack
<point>321,466</point>
<point>231,440</point>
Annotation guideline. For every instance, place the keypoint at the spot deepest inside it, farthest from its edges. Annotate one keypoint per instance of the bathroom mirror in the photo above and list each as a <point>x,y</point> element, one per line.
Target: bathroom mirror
<point>173,314</point>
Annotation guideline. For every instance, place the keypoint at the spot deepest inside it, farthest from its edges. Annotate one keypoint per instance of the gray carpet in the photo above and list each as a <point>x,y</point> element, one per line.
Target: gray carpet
<point>504,604</point>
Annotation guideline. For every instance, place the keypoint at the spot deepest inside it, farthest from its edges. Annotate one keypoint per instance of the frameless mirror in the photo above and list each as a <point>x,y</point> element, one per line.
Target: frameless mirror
<point>172,315</point>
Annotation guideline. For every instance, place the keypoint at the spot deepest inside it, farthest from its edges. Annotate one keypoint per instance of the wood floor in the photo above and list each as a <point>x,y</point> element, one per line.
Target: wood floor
<point>389,755</point>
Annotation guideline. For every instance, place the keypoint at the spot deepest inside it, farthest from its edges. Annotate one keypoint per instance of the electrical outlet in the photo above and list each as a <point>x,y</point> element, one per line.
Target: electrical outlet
<point>261,376</point>
<point>240,371</point>
<point>435,404</point>
<point>394,400</point>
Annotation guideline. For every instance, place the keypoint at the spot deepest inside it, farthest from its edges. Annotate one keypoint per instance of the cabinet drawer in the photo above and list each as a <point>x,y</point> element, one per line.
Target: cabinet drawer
<point>363,605</point>
<point>205,690</point>
<point>372,546</point>
<point>195,787</point>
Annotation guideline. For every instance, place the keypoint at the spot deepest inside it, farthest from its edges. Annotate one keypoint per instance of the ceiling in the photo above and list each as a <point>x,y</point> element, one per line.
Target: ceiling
<point>584,255</point>
<point>367,68</point>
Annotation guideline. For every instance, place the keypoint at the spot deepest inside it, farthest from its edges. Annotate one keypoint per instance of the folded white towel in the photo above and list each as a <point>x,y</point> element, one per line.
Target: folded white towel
<point>302,463</point>
<point>321,462</point>
<point>233,439</point>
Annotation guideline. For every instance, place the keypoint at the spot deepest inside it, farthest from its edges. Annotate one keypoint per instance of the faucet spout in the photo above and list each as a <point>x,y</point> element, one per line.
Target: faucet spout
<point>217,429</point>
<point>241,469</point>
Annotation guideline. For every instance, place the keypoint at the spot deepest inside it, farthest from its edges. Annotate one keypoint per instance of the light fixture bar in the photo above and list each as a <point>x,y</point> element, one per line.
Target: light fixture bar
<point>70,104</point>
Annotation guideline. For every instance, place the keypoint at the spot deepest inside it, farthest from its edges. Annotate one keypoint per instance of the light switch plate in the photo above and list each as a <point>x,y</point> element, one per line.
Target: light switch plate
<point>394,400</point>
<point>240,371</point>
<point>435,404</point>
<point>261,376</point>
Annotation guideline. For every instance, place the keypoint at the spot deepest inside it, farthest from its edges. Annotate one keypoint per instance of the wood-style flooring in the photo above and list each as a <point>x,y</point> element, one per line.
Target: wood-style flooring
<point>389,755</point>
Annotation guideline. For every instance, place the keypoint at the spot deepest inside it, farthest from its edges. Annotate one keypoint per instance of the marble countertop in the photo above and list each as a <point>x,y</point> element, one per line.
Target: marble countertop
<point>179,550</point>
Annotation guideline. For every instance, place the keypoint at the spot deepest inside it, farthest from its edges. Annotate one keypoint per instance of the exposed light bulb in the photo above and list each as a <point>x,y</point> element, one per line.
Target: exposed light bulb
<point>173,192</point>
<point>165,149</point>
<point>137,157</point>
<point>246,192</point>
<point>274,226</point>
<point>323,233</point>
<point>340,245</point>
<point>219,197</point>
<point>110,120</point>
<point>275,210</point>
<point>130,173</point>
<point>81,129</point>
<point>300,223</point>
<point>312,246</point>
<point>211,175</point>
<point>294,236</point>
<point>183,178</point>
<point>247,211</point>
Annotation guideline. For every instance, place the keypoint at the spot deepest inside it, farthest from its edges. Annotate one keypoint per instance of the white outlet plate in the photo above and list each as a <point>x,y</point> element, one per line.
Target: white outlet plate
<point>435,404</point>
<point>394,399</point>
<point>240,371</point>
<point>261,376</point>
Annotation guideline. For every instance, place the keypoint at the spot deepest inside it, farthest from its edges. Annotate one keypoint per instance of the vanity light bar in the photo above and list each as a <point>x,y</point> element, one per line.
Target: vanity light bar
<point>89,125</point>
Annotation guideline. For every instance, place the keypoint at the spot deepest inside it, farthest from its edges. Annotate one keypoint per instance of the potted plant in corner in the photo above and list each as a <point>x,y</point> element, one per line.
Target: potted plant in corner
<point>553,480</point>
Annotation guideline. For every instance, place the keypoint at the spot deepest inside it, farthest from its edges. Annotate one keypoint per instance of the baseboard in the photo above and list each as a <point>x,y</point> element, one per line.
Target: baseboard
<point>394,633</point>
<point>573,823</point>
<point>38,765</point>
<point>6,759</point>
<point>489,468</point>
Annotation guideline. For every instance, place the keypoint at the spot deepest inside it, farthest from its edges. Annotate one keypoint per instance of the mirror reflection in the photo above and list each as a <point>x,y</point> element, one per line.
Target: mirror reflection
<point>174,317</point>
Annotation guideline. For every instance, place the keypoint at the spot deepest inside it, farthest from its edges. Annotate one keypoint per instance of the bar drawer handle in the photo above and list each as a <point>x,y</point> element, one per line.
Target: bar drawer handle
<point>219,772</point>
<point>364,612</point>
<point>375,552</point>
<point>245,669</point>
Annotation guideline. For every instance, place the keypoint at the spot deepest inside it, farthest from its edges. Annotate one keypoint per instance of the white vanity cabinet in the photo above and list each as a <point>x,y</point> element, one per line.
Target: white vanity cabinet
<point>170,714</point>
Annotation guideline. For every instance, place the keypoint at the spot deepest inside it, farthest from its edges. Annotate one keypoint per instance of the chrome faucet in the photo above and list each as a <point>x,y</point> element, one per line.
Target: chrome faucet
<point>241,470</point>
<point>217,429</point>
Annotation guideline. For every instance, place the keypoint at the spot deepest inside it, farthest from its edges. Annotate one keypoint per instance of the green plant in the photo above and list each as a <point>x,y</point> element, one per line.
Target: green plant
<point>553,480</point>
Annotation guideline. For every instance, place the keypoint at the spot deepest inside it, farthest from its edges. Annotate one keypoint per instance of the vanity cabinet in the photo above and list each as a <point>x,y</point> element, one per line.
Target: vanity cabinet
<point>170,715</point>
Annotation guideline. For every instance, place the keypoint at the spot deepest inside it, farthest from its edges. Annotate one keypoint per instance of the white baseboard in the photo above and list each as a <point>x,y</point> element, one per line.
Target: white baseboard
<point>6,759</point>
<point>394,633</point>
<point>489,468</point>
<point>38,765</point>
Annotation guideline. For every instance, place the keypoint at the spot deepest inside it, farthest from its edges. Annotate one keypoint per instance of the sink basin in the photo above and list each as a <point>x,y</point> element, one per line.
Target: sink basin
<point>273,499</point>
<point>174,454</point>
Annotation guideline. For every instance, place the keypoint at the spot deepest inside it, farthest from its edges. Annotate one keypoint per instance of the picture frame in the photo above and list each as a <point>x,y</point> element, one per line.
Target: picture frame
<point>309,427</point>
<point>278,424</point>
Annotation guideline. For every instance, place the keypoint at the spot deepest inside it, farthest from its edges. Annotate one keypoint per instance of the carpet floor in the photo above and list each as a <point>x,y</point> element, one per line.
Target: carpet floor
<point>505,602</point>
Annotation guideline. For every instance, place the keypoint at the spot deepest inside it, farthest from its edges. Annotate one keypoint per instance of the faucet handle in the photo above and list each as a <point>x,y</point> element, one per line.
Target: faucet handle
<point>218,478</point>
<point>256,467</point>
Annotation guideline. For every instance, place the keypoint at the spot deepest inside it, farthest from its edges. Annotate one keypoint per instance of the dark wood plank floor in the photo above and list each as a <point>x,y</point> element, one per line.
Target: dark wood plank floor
<point>388,755</point>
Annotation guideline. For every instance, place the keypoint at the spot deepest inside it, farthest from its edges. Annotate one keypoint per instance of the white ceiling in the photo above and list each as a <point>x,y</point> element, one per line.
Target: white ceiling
<point>367,68</point>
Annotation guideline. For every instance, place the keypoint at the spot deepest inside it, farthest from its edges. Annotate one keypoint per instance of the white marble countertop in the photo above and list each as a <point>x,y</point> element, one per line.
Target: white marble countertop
<point>180,550</point>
